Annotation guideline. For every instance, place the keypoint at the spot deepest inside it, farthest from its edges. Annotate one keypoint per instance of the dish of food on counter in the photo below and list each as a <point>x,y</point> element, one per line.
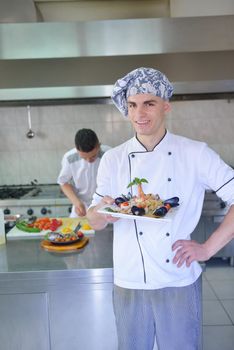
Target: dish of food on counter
<point>144,206</point>
<point>64,238</point>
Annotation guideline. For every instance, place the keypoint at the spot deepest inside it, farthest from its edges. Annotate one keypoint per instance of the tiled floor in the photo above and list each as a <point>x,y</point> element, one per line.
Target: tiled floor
<point>218,305</point>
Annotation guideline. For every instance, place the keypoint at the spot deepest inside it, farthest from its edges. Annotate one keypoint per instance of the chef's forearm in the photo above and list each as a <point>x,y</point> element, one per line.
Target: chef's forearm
<point>222,235</point>
<point>96,220</point>
<point>70,194</point>
<point>99,221</point>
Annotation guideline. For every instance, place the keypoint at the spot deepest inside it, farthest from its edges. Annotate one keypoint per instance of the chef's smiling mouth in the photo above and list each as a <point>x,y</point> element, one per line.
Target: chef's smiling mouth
<point>142,122</point>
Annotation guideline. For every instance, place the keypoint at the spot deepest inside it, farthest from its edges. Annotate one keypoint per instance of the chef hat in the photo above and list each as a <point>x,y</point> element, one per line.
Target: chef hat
<point>140,81</point>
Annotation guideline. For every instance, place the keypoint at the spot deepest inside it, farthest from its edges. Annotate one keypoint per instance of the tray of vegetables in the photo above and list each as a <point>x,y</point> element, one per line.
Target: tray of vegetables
<point>38,224</point>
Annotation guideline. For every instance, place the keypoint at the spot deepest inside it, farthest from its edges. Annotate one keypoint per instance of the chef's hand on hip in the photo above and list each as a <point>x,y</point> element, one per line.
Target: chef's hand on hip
<point>188,251</point>
<point>80,208</point>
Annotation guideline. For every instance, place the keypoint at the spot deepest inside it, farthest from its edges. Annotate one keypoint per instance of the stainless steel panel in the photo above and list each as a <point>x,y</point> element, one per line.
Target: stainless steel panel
<point>83,320</point>
<point>201,87</point>
<point>105,91</point>
<point>108,38</point>
<point>24,322</point>
<point>56,92</point>
<point>57,311</point>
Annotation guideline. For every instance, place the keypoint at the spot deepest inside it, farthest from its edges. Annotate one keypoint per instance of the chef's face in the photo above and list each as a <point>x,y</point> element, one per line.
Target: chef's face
<point>147,114</point>
<point>91,156</point>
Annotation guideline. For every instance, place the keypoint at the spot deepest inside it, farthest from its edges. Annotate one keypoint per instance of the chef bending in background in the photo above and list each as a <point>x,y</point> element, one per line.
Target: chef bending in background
<point>77,177</point>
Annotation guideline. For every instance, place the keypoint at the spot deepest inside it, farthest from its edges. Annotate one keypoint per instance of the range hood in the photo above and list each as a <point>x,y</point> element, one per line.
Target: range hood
<point>12,11</point>
<point>116,37</point>
<point>196,53</point>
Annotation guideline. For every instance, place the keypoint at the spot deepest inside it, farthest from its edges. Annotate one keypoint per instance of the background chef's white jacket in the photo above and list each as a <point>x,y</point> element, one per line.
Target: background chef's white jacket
<point>176,167</point>
<point>81,174</point>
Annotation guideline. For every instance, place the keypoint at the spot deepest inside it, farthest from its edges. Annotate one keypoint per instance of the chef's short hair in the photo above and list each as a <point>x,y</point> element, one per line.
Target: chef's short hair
<point>86,140</point>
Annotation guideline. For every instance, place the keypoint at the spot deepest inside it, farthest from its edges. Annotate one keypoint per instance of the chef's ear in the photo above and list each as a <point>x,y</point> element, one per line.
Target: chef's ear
<point>167,106</point>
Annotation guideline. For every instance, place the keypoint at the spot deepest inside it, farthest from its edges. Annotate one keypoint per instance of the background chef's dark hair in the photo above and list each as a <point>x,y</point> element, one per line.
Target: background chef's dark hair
<point>86,140</point>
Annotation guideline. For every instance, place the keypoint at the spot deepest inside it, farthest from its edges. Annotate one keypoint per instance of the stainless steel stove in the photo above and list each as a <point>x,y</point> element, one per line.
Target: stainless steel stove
<point>15,192</point>
<point>34,199</point>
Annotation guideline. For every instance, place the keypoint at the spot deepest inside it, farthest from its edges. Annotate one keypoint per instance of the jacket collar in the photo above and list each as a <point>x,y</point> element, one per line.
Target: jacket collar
<point>137,146</point>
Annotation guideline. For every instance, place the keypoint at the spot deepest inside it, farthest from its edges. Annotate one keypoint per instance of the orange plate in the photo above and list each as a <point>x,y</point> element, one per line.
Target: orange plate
<point>64,248</point>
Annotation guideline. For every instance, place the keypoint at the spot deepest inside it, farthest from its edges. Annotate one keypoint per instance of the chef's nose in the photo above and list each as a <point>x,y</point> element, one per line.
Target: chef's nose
<point>140,111</point>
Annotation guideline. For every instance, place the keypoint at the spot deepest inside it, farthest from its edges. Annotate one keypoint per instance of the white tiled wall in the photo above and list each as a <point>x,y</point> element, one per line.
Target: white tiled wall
<point>23,160</point>
<point>209,121</point>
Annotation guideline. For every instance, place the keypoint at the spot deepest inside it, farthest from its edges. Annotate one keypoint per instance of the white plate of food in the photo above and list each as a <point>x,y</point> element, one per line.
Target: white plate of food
<point>143,206</point>
<point>112,210</point>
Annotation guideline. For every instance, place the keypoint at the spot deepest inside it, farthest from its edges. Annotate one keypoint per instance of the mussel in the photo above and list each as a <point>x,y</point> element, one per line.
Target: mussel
<point>123,198</point>
<point>119,200</point>
<point>167,205</point>
<point>137,210</point>
<point>160,211</point>
<point>173,202</point>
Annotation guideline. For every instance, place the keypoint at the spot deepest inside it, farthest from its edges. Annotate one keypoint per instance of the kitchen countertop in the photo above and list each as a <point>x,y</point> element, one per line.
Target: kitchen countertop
<point>27,255</point>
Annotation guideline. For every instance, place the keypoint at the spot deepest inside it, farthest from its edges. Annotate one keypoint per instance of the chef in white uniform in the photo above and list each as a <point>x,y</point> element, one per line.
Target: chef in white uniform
<point>78,174</point>
<point>157,277</point>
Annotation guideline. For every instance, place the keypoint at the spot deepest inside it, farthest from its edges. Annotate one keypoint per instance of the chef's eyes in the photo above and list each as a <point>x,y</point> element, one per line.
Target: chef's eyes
<point>146,104</point>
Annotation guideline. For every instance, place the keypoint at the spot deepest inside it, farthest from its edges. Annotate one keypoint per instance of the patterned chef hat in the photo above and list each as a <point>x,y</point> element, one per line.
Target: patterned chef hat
<point>140,81</point>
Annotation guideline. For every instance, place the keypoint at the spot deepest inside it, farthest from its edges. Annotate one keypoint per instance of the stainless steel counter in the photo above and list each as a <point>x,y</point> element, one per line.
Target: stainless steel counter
<point>27,255</point>
<point>57,301</point>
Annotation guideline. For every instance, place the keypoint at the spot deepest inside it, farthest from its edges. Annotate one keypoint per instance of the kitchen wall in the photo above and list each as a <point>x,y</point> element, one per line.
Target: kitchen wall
<point>23,160</point>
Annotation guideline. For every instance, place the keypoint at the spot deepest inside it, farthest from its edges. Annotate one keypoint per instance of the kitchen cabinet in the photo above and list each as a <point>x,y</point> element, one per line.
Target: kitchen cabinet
<point>24,321</point>
<point>84,319</point>
<point>57,301</point>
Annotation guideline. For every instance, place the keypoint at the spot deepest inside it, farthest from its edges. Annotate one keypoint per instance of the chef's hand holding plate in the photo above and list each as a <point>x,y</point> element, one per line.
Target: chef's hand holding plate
<point>99,221</point>
<point>107,200</point>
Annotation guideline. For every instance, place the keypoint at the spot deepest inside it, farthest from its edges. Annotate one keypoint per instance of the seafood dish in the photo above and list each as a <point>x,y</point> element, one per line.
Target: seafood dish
<point>66,236</point>
<point>152,206</point>
<point>60,238</point>
<point>142,204</point>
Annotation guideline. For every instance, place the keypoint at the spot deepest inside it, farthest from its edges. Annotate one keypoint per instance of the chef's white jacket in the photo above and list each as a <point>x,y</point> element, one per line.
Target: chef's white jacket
<point>81,174</point>
<point>179,167</point>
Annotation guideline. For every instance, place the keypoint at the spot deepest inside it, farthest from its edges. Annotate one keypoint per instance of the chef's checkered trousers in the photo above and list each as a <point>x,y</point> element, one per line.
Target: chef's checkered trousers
<point>171,317</point>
